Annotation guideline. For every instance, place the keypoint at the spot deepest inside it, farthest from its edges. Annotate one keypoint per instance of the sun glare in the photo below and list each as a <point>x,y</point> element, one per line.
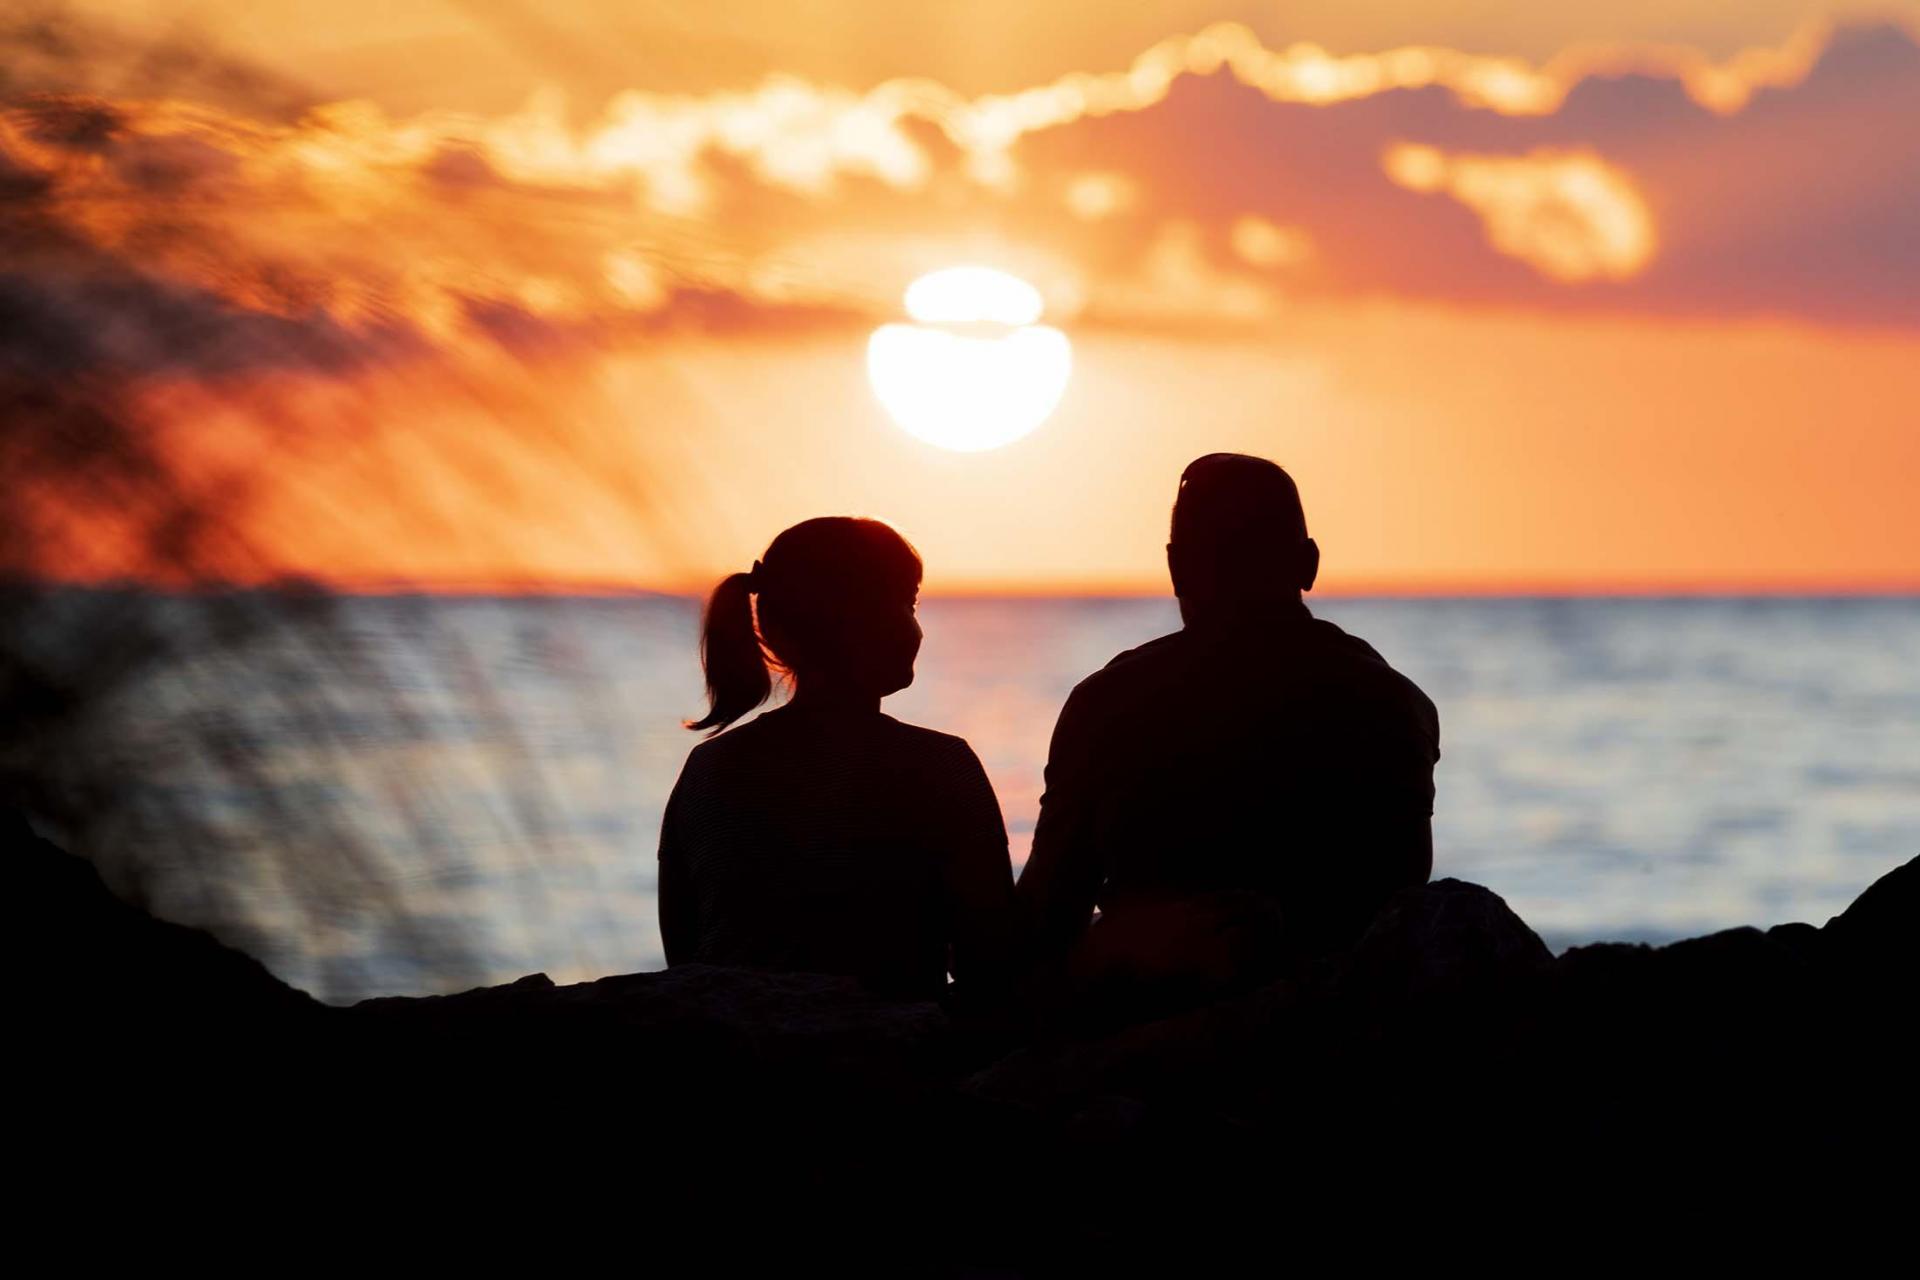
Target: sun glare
<point>974,371</point>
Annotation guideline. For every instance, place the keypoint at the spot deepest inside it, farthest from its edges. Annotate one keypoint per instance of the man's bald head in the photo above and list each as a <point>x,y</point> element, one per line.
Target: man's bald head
<point>1239,532</point>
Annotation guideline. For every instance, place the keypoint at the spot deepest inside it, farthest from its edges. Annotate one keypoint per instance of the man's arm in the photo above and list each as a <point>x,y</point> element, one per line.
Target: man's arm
<point>1412,841</point>
<point>1061,882</point>
<point>1384,818</point>
<point>1404,833</point>
<point>1417,867</point>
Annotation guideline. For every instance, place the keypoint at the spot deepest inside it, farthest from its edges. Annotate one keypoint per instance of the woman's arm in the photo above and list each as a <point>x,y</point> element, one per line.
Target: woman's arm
<point>979,881</point>
<point>679,926</point>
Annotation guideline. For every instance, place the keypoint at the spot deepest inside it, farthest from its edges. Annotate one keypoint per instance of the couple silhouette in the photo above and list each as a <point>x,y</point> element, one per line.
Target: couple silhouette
<point>1221,803</point>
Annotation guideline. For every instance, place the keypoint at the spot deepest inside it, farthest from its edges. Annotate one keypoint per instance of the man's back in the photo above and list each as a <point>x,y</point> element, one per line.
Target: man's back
<point>1271,753</point>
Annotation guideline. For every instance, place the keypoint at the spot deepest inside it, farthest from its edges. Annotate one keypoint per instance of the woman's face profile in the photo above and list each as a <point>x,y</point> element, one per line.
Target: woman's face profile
<point>897,637</point>
<point>868,648</point>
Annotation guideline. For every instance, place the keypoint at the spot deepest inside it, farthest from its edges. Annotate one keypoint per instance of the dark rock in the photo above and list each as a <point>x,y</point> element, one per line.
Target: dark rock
<point>687,1016</point>
<point>103,966</point>
<point>1879,929</point>
<point>1439,938</point>
<point>1251,1056</point>
<point>1447,1067</point>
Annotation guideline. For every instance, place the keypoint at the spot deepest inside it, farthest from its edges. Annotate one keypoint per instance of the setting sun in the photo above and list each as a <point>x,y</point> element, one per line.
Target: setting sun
<point>973,372</point>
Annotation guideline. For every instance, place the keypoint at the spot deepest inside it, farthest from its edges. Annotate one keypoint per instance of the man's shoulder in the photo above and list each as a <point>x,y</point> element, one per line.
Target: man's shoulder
<point>1131,667</point>
<point>1158,649</point>
<point>1164,669</point>
<point>1364,666</point>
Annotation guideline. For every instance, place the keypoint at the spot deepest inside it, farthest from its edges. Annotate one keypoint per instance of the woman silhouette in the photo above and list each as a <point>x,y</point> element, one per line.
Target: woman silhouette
<point>825,836</point>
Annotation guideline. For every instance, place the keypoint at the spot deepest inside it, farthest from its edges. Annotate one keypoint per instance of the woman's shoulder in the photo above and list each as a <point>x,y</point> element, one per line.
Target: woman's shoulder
<point>927,742</point>
<point>733,743</point>
<point>945,773</point>
<point>769,737</point>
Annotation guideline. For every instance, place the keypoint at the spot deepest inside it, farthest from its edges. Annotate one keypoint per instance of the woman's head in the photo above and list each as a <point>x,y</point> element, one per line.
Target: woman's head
<point>835,601</point>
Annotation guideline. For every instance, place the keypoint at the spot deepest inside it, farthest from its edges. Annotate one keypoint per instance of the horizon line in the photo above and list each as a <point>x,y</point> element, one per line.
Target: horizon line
<point>1382,588</point>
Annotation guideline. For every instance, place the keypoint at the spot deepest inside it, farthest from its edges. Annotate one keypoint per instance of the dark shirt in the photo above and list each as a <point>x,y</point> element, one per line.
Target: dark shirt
<point>1271,753</point>
<point>837,841</point>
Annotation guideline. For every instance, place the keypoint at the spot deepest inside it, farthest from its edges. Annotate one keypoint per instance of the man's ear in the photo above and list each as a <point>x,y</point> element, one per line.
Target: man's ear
<point>1173,569</point>
<point>1309,564</point>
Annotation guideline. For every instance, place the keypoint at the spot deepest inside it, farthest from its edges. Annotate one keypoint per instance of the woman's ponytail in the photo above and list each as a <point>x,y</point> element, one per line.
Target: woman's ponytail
<point>737,677</point>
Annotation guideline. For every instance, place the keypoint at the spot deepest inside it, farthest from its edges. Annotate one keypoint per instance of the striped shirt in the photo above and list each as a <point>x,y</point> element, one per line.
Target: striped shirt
<point>837,840</point>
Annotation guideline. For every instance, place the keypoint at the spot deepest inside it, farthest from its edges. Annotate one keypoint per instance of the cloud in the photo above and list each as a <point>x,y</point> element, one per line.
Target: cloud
<point>1212,175</point>
<point>1637,192</point>
<point>47,48</point>
<point>169,219</point>
<point>1650,179</point>
<point>183,240</point>
<point>239,336</point>
<point>1568,214</point>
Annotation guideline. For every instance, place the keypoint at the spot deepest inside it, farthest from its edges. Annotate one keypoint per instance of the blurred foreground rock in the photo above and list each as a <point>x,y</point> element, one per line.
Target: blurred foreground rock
<point>1722,1092</point>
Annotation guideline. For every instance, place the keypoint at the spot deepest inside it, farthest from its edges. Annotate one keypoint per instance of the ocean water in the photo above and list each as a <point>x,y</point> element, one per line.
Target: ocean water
<point>412,794</point>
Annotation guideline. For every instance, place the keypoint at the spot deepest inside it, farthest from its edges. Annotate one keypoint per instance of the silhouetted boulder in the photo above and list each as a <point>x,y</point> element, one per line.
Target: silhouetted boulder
<point>1881,929</point>
<point>689,1018</point>
<point>1447,1062</point>
<point>1442,937</point>
<point>1440,940</point>
<point>103,966</point>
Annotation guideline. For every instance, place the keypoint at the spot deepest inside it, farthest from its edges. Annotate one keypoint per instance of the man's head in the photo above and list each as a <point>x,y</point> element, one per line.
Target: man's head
<point>1239,535</point>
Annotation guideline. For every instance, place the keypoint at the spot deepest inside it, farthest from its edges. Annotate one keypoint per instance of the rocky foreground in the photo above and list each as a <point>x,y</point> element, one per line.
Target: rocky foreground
<point>1447,1091</point>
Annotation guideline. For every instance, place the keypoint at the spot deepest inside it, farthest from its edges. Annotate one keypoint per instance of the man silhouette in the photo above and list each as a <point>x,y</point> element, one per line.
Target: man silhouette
<point>1258,754</point>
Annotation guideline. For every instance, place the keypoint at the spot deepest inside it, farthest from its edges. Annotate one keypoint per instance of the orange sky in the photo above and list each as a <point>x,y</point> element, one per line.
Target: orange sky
<point>466,294</point>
